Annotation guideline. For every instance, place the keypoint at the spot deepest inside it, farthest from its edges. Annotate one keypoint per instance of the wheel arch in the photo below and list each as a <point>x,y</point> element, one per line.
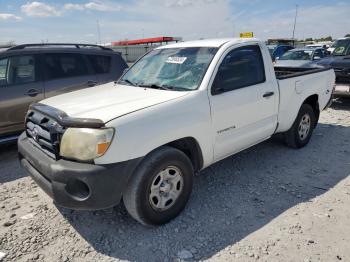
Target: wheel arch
<point>190,147</point>
<point>313,102</point>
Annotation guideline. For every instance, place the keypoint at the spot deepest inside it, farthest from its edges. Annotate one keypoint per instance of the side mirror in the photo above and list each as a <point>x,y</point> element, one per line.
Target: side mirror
<point>317,58</point>
<point>277,58</point>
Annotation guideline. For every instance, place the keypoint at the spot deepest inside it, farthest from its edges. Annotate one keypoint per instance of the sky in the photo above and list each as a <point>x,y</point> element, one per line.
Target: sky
<point>77,20</point>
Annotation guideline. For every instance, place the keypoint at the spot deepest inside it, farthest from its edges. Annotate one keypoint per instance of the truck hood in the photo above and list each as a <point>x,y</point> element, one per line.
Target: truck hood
<point>336,61</point>
<point>295,63</point>
<point>109,101</point>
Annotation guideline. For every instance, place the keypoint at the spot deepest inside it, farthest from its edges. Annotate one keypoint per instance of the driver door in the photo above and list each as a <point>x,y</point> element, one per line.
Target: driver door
<point>243,101</point>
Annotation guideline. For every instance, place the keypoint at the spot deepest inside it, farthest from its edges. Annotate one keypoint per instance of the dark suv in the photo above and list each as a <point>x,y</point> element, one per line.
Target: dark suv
<point>340,62</point>
<point>29,73</point>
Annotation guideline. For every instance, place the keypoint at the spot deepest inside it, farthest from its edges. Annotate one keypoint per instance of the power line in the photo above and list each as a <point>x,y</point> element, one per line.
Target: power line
<point>98,31</point>
<point>295,20</point>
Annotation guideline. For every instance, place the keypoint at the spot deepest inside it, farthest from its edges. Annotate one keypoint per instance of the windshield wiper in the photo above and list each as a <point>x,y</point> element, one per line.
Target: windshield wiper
<point>177,88</point>
<point>154,86</point>
<point>164,87</point>
<point>128,82</point>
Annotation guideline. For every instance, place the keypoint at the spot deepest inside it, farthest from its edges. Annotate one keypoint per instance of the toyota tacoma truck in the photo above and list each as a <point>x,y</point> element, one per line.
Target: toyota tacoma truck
<point>177,110</point>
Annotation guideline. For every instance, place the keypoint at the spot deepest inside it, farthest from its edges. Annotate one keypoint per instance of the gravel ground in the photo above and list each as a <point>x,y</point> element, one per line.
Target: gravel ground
<point>268,203</point>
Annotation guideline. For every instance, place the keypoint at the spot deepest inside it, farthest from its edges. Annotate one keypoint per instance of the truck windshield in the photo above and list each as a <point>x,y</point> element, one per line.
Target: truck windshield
<point>171,68</point>
<point>341,47</point>
<point>297,55</point>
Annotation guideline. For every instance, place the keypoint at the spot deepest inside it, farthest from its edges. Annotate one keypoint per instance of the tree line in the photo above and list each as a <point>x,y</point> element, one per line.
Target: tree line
<point>322,39</point>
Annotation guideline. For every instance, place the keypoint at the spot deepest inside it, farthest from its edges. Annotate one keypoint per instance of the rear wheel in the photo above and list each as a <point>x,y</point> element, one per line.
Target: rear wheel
<point>160,187</point>
<point>300,133</point>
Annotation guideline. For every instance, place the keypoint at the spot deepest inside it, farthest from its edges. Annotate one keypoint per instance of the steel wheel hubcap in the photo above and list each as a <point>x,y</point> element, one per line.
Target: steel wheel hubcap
<point>166,188</point>
<point>304,126</point>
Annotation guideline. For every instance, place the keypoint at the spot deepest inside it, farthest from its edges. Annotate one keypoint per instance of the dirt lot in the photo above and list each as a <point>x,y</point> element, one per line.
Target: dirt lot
<point>268,203</point>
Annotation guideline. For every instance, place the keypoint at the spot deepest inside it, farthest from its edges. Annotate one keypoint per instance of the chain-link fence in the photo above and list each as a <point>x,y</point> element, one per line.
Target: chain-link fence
<point>132,52</point>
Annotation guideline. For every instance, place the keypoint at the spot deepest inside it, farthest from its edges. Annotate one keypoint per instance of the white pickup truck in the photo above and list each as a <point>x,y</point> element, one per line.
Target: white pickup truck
<point>177,110</point>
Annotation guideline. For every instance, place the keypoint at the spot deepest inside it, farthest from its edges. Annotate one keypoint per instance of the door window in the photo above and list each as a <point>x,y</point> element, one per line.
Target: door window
<point>17,70</point>
<point>240,68</point>
<point>318,53</point>
<point>3,71</point>
<point>64,66</point>
<point>101,64</point>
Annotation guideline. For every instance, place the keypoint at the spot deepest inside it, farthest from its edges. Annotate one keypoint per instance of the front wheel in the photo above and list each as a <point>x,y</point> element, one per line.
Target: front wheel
<point>300,133</point>
<point>160,187</point>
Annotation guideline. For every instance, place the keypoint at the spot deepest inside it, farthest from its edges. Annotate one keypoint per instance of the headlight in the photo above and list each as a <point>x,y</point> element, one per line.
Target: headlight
<point>85,143</point>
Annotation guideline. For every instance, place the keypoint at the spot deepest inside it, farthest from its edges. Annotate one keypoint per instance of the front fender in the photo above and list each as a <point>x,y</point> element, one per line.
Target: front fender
<point>140,132</point>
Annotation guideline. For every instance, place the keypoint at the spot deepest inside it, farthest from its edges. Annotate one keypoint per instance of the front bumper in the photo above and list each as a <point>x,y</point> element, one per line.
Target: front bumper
<point>76,185</point>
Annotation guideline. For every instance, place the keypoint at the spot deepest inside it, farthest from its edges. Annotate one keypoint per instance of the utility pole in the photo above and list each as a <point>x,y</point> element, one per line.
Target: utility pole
<point>295,22</point>
<point>98,32</point>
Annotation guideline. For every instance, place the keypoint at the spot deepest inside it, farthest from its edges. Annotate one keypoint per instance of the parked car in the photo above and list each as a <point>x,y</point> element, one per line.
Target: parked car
<point>30,73</point>
<point>179,109</point>
<point>340,61</point>
<point>314,46</point>
<point>324,45</point>
<point>333,45</point>
<point>301,57</point>
<point>277,51</point>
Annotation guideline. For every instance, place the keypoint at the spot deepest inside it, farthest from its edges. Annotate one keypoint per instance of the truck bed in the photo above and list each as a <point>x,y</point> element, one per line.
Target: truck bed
<point>297,84</point>
<point>289,72</point>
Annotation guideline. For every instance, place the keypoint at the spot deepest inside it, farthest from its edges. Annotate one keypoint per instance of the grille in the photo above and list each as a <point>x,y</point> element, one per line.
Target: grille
<point>44,132</point>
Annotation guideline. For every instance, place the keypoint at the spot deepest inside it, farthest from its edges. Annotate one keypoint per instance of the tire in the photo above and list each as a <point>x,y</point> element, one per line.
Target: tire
<point>147,198</point>
<point>295,137</point>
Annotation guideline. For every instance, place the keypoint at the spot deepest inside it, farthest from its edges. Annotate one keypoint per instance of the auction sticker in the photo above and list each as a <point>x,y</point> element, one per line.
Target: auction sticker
<point>176,60</point>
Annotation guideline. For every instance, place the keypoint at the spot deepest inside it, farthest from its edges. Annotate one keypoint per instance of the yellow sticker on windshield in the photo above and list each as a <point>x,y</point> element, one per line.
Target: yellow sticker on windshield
<point>175,60</point>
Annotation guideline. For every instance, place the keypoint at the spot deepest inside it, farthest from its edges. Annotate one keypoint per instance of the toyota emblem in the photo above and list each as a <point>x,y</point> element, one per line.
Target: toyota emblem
<point>35,133</point>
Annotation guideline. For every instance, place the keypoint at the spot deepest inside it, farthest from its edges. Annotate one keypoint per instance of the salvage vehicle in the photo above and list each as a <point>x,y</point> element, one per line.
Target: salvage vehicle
<point>301,57</point>
<point>29,73</point>
<point>176,111</point>
<point>340,62</point>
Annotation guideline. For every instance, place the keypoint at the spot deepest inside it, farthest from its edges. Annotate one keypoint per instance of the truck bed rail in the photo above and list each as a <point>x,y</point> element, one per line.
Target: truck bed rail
<point>289,72</point>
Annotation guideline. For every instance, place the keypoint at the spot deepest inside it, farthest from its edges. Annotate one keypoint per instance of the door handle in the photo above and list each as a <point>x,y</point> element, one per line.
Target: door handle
<point>91,83</point>
<point>32,92</point>
<point>268,94</point>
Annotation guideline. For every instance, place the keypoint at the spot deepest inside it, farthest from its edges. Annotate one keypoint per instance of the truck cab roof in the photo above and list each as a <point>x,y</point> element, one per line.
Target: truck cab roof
<point>210,42</point>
